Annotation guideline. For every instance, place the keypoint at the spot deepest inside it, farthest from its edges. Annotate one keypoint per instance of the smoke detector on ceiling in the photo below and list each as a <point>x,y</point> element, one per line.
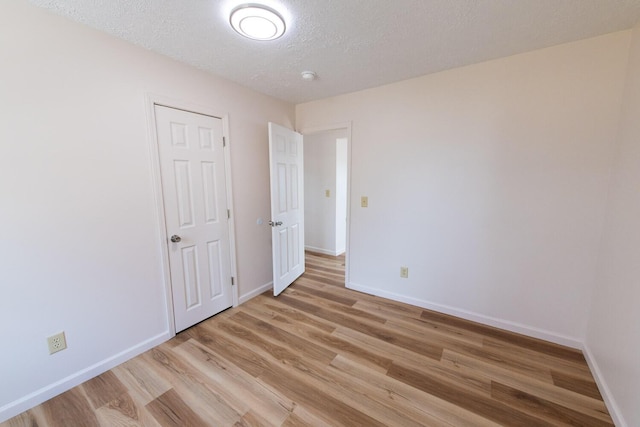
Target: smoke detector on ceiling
<point>257,22</point>
<point>308,76</point>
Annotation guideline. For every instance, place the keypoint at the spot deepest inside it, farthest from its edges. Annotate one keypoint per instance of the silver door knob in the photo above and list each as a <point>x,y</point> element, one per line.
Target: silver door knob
<point>275,224</point>
<point>175,238</point>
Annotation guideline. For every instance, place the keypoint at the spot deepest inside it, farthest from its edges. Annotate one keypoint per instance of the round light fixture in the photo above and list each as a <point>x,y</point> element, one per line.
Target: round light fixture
<point>257,22</point>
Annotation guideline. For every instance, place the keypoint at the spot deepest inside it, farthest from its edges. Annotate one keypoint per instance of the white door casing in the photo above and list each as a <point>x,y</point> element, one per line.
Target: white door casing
<point>287,205</point>
<point>192,166</point>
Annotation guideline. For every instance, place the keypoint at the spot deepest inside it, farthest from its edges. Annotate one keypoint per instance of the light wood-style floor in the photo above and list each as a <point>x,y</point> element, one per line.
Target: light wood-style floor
<point>322,355</point>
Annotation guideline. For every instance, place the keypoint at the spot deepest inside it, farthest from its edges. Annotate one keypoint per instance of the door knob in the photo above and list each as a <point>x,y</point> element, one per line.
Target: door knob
<point>175,238</point>
<point>275,224</point>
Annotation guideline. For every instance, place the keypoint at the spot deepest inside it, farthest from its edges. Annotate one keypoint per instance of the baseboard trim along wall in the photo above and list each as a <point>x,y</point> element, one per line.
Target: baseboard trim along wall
<point>612,406</point>
<point>246,297</point>
<point>475,317</point>
<point>322,251</point>
<point>45,393</point>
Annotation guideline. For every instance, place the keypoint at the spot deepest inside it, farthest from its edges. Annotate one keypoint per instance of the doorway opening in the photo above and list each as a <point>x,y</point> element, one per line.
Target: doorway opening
<point>326,185</point>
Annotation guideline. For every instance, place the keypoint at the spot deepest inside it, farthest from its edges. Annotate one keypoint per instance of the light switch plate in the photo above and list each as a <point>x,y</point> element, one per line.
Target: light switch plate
<point>327,193</point>
<point>364,201</point>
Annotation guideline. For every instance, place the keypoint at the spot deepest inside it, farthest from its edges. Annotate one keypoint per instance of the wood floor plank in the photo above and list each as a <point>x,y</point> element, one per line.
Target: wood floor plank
<point>552,412</point>
<point>253,419</point>
<point>325,339</point>
<point>300,292</point>
<point>471,380</point>
<point>441,412</point>
<point>522,340</point>
<point>582,385</point>
<point>474,402</point>
<point>503,359</point>
<point>337,263</point>
<point>297,315</point>
<point>395,409</point>
<point>123,411</point>
<point>324,405</point>
<point>325,272</point>
<point>103,389</point>
<point>389,309</point>
<point>323,355</point>
<point>409,343</point>
<point>396,315</point>
<point>329,296</point>
<point>433,336</point>
<point>592,407</point>
<point>69,408</point>
<point>141,381</point>
<point>25,419</point>
<point>303,417</point>
<point>194,387</point>
<point>237,386</point>
<point>572,367</point>
<point>315,373</point>
<point>230,350</point>
<point>171,411</point>
<point>307,347</point>
<point>306,419</point>
<point>282,370</point>
<point>324,279</point>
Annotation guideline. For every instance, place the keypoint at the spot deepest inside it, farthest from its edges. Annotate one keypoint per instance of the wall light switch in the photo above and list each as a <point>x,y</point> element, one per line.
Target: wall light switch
<point>364,201</point>
<point>327,193</point>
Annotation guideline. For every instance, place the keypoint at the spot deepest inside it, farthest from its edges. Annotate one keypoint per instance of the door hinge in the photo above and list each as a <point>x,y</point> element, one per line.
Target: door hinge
<point>233,282</point>
<point>224,141</point>
<point>228,213</point>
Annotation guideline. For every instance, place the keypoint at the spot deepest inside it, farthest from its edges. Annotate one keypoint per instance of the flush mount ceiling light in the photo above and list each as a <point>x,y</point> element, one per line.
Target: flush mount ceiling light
<point>257,22</point>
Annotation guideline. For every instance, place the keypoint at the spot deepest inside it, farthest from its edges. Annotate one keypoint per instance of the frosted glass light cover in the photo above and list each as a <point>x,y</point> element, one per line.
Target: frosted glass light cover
<point>257,22</point>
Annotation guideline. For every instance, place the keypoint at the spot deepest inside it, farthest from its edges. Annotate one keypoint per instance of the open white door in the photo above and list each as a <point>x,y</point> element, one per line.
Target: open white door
<point>287,205</point>
<point>195,207</point>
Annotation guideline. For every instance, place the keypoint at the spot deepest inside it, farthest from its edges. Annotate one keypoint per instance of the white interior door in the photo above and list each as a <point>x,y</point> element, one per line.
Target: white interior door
<point>195,205</point>
<point>287,205</point>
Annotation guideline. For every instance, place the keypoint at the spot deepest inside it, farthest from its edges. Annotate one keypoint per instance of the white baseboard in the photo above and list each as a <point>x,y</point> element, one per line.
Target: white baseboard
<point>475,317</point>
<point>45,393</point>
<point>605,391</point>
<point>246,297</point>
<point>321,251</point>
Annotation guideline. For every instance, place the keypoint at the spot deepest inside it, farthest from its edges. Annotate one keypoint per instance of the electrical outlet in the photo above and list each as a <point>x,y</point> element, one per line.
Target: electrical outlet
<point>404,272</point>
<point>57,342</point>
<point>364,201</point>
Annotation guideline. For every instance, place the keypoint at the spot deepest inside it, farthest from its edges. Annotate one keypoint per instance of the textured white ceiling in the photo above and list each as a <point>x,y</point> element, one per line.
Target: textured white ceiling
<point>350,44</point>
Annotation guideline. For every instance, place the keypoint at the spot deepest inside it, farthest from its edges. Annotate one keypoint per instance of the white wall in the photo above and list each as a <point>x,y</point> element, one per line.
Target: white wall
<point>613,336</point>
<point>319,176</point>
<point>79,246</point>
<point>489,182</point>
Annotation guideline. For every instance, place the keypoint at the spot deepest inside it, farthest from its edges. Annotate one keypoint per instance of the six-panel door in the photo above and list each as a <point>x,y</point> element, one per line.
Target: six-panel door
<point>287,205</point>
<point>195,206</point>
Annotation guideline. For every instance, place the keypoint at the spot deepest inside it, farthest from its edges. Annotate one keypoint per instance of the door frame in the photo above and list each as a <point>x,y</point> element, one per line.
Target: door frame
<point>151,100</point>
<point>326,128</point>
